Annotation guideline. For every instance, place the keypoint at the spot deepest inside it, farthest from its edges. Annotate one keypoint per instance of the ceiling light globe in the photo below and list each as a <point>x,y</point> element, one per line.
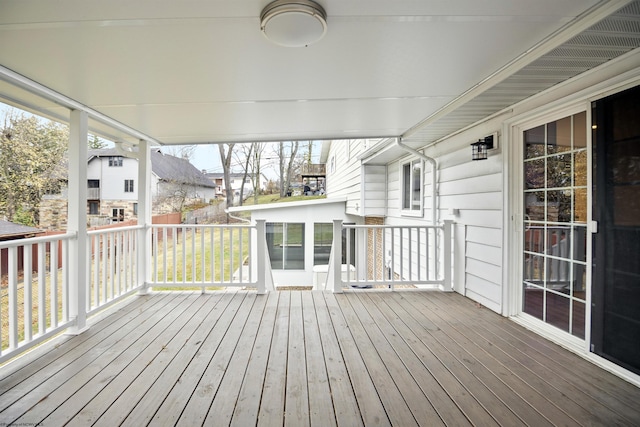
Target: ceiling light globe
<point>293,23</point>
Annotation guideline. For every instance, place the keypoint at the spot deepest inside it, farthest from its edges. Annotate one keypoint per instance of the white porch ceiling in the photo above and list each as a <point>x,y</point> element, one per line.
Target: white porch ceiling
<point>200,71</point>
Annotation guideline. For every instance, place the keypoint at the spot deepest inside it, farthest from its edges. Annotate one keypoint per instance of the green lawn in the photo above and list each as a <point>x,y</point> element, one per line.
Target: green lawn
<point>209,255</point>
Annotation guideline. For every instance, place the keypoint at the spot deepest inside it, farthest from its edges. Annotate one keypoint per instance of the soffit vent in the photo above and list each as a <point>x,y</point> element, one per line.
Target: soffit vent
<point>613,36</point>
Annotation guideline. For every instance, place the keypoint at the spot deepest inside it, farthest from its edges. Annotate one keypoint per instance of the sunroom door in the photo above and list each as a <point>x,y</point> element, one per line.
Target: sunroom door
<point>555,223</point>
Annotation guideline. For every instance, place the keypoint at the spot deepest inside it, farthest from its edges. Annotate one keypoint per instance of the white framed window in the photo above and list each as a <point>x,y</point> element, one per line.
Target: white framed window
<point>411,187</point>
<point>128,186</point>
<point>115,161</point>
<point>285,242</point>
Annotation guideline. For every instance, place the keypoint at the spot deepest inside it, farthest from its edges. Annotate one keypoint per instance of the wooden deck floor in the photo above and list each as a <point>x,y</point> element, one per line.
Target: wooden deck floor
<point>309,358</point>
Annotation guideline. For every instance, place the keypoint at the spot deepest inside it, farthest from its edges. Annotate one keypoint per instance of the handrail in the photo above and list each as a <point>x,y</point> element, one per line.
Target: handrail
<point>391,255</point>
<point>35,240</point>
<point>112,229</point>
<point>210,255</point>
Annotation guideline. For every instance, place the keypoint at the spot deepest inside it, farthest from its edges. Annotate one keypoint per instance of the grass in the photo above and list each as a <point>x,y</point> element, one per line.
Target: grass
<point>275,198</point>
<point>217,244</point>
<point>34,288</point>
<point>209,255</point>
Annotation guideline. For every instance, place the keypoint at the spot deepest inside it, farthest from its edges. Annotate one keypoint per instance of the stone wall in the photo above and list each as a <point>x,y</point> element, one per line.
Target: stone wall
<point>375,257</point>
<point>53,214</point>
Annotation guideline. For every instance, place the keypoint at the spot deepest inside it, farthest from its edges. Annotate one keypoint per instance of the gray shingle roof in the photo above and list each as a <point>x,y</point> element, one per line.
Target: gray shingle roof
<point>171,168</point>
<point>8,228</point>
<point>165,166</point>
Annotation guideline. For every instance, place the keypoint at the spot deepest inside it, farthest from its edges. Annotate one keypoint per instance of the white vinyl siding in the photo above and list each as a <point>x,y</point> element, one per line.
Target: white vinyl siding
<point>112,178</point>
<point>345,180</point>
<point>474,188</point>
<point>374,185</point>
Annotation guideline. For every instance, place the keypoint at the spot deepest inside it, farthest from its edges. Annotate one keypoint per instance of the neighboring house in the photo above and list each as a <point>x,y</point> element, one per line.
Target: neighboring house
<point>112,193</point>
<point>236,183</point>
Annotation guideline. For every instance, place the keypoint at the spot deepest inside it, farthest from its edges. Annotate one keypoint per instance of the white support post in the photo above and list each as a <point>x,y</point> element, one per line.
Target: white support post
<point>261,247</point>
<point>335,276</point>
<point>446,253</point>
<point>77,220</point>
<point>144,216</point>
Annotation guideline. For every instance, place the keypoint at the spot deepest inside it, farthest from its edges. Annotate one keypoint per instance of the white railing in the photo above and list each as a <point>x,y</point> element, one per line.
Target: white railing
<point>390,255</point>
<point>112,265</point>
<point>205,256</point>
<point>41,296</point>
<point>34,303</point>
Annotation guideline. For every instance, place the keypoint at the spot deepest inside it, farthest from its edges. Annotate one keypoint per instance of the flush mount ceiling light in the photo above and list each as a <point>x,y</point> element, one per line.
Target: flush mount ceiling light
<point>293,23</point>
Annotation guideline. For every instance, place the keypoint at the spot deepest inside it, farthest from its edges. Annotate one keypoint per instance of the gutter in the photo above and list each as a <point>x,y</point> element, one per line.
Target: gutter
<point>434,170</point>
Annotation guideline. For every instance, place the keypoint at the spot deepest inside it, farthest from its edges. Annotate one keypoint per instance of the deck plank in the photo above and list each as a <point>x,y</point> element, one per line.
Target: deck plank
<point>582,373</point>
<point>175,402</point>
<point>371,357</point>
<point>421,342</point>
<point>380,333</point>
<point>533,407</point>
<point>461,358</point>
<point>80,365</point>
<point>391,322</point>
<point>158,356</point>
<point>58,357</point>
<point>154,396</point>
<point>12,373</point>
<point>273,396</point>
<point>208,385</point>
<point>534,368</point>
<point>394,403</point>
<point>226,398</point>
<point>345,405</point>
<point>371,408</point>
<point>248,406</point>
<point>95,396</point>
<point>296,395</point>
<point>321,412</point>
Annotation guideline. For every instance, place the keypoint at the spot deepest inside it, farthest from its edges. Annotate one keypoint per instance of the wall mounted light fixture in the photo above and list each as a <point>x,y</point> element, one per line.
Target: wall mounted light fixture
<point>479,150</point>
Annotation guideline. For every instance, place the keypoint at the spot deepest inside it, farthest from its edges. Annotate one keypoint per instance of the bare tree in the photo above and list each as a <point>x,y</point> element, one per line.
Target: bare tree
<point>181,151</point>
<point>245,155</point>
<point>173,195</point>
<point>225,160</point>
<point>258,150</point>
<point>286,165</point>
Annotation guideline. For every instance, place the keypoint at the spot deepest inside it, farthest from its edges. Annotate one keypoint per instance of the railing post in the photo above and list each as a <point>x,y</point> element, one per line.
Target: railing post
<point>77,220</point>
<point>446,253</point>
<point>261,247</point>
<point>335,278</point>
<point>143,247</point>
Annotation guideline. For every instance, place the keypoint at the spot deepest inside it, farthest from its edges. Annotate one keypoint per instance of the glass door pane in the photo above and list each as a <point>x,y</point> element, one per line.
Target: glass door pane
<point>616,296</point>
<point>555,190</point>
